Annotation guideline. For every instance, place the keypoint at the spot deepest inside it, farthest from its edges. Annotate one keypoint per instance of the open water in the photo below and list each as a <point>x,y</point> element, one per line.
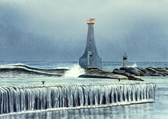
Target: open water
<point>32,73</point>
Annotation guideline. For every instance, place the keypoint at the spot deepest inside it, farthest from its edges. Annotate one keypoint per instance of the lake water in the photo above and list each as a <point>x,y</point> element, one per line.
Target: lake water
<point>22,76</point>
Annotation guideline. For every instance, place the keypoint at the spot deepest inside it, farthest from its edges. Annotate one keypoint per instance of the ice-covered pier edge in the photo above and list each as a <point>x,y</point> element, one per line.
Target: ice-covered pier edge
<point>22,98</point>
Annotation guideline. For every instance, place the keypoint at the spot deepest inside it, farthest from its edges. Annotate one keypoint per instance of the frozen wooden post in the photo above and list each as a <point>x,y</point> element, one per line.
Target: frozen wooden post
<point>43,82</point>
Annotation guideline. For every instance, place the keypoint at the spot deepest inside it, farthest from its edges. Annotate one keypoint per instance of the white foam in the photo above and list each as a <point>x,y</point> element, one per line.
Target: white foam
<point>134,65</point>
<point>10,65</point>
<point>74,71</point>
<point>62,68</point>
<point>7,66</point>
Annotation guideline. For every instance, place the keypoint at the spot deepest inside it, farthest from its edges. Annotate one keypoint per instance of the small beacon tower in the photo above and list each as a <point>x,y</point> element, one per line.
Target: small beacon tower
<point>125,60</point>
<point>90,58</point>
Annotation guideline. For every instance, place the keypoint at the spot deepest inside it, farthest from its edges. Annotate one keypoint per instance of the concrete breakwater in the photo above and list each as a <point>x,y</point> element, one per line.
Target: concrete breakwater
<point>66,96</point>
<point>136,71</point>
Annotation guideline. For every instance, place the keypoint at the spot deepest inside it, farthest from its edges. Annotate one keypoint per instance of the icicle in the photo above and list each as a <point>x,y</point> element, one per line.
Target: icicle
<point>86,93</point>
<point>22,100</point>
<point>81,96</point>
<point>37,99</point>
<point>63,101</point>
<point>138,92</point>
<point>141,91</point>
<point>147,91</point>
<point>48,98</point>
<point>1,101</point>
<point>125,91</point>
<point>7,99</point>
<point>144,91</point>
<point>121,93</point>
<point>32,92</point>
<point>112,94</point>
<point>107,94</point>
<point>102,95</point>
<point>55,97</point>
<point>76,101</point>
<point>116,94</point>
<point>42,90</point>
<point>129,93</point>
<point>91,97</point>
<point>70,96</point>
<point>133,93</point>
<point>52,97</point>
<point>11,102</point>
<point>96,94</point>
<point>29,99</point>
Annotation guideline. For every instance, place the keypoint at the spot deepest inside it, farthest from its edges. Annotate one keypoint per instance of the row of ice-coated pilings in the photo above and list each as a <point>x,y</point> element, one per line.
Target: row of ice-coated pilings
<point>22,98</point>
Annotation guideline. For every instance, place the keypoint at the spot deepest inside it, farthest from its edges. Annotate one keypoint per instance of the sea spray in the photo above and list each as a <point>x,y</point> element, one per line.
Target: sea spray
<point>134,65</point>
<point>74,71</point>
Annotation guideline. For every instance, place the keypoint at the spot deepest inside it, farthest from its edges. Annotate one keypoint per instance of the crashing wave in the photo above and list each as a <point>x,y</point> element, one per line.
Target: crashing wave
<point>21,70</point>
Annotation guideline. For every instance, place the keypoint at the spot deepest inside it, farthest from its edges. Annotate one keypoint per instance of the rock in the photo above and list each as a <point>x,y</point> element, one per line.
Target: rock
<point>134,78</point>
<point>124,68</point>
<point>159,71</point>
<point>136,71</point>
<point>132,70</point>
<point>119,71</point>
<point>144,72</point>
<point>97,73</point>
<point>141,72</point>
<point>162,70</point>
<point>132,75</point>
<point>164,74</point>
<point>127,73</point>
<point>91,76</point>
<point>152,70</point>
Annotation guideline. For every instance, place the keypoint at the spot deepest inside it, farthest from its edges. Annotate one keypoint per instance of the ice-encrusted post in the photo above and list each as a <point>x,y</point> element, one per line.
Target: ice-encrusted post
<point>43,82</point>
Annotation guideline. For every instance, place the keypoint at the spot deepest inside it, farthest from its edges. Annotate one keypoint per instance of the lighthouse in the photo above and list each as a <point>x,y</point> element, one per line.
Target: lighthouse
<point>90,58</point>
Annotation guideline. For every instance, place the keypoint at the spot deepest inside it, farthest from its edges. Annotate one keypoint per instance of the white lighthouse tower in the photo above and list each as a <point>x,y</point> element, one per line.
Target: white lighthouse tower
<point>90,58</point>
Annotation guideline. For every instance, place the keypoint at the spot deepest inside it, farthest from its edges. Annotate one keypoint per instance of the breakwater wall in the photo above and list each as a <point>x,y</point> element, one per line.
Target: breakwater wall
<point>24,98</point>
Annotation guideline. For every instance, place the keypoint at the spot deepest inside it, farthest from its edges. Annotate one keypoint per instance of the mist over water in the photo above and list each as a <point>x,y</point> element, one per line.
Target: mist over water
<point>54,30</point>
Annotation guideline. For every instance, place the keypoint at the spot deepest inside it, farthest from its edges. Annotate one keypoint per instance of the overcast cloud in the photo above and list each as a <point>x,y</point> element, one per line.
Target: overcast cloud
<point>40,30</point>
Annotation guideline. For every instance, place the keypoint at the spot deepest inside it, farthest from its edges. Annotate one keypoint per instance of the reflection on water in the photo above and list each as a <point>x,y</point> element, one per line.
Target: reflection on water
<point>117,112</point>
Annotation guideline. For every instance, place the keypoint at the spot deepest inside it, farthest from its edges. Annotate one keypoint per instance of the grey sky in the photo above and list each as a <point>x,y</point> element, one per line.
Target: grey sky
<point>57,30</point>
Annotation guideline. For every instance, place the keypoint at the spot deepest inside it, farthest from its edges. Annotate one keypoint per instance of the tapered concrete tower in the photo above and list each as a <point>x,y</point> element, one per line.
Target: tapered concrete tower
<point>90,58</point>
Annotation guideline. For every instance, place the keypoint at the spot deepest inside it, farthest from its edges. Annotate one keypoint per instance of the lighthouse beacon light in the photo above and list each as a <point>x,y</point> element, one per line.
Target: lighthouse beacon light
<point>91,21</point>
